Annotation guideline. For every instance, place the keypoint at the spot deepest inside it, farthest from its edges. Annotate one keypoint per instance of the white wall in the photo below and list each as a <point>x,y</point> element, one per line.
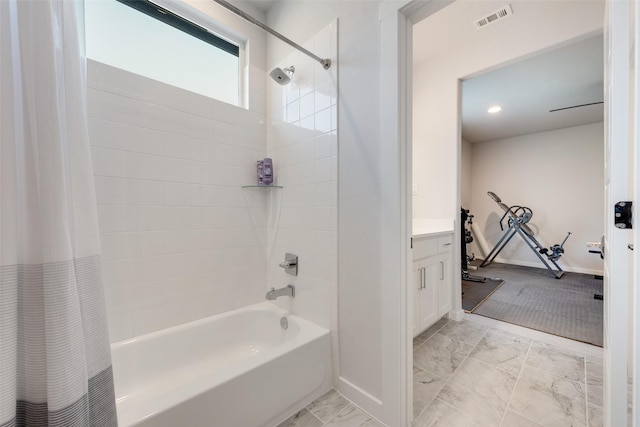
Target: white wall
<point>559,175</point>
<point>460,51</point>
<point>466,173</point>
<point>178,240</point>
<point>359,201</point>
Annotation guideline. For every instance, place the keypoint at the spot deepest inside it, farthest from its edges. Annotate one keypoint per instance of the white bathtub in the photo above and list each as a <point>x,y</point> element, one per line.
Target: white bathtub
<point>238,368</point>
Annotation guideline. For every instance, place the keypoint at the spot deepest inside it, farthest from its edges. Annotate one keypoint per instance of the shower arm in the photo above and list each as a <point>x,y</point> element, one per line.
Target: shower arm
<point>326,62</point>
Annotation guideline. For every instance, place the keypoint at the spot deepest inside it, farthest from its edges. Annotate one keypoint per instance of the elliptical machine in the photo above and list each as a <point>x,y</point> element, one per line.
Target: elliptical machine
<point>467,218</point>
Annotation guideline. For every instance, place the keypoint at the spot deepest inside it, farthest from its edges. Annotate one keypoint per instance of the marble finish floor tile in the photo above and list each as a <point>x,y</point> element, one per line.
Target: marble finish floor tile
<point>502,350</point>
<point>302,418</point>
<point>441,355</point>
<point>328,405</point>
<point>432,330</point>
<point>352,416</point>
<point>439,414</point>
<point>558,362</point>
<point>425,388</point>
<point>595,415</point>
<point>496,378</point>
<point>467,332</point>
<point>479,389</point>
<point>511,419</point>
<point>553,401</point>
<point>595,384</point>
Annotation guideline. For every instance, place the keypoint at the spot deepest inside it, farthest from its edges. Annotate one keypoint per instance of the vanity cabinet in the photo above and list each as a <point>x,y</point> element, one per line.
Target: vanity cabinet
<point>432,264</point>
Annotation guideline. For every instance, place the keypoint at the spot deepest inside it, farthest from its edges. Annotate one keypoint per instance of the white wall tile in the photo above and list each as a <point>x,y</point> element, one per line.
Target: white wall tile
<point>323,121</point>
<point>181,240</point>
<point>172,215</point>
<point>148,243</point>
<point>307,105</point>
<point>305,151</point>
<point>323,97</point>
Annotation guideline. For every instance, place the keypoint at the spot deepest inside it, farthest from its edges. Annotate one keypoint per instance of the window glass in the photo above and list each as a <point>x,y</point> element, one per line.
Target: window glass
<point>124,37</point>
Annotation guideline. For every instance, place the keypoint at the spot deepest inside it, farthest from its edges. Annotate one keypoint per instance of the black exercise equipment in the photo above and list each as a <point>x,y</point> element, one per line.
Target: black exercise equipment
<point>517,219</point>
<point>467,238</point>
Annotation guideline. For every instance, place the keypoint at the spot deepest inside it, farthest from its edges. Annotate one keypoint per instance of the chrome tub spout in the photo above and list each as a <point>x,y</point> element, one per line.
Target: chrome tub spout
<point>274,293</point>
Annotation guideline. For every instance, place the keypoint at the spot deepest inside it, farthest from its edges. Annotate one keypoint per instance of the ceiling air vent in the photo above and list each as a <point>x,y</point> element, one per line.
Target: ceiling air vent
<point>489,19</point>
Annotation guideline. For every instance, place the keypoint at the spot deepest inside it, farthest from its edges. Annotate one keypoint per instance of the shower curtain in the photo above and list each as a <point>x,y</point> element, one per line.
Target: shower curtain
<point>55,363</point>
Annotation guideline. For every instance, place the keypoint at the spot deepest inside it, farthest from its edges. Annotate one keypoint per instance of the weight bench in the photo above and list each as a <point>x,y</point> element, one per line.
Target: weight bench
<point>517,219</point>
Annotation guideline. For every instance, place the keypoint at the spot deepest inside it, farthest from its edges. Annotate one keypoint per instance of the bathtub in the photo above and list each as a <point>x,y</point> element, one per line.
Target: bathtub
<point>238,368</point>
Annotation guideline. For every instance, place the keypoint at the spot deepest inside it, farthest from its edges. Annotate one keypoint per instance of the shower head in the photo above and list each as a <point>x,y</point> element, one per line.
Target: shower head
<point>281,76</point>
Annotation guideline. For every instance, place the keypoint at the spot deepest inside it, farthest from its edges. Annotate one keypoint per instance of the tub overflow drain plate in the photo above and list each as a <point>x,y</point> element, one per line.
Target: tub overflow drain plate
<point>284,323</point>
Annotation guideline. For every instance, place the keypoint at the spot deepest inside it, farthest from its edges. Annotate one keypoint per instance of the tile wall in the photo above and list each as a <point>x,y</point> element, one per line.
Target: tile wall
<point>181,239</point>
<point>178,240</point>
<point>302,140</point>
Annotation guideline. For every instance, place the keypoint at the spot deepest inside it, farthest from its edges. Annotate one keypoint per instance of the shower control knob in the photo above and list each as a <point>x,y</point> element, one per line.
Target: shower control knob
<point>290,264</point>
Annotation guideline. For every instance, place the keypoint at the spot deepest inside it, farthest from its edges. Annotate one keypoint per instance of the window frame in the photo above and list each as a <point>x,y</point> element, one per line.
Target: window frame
<point>185,25</point>
<point>204,23</point>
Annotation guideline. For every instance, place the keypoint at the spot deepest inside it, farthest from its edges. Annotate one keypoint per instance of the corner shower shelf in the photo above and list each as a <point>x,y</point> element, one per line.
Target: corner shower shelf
<point>262,186</point>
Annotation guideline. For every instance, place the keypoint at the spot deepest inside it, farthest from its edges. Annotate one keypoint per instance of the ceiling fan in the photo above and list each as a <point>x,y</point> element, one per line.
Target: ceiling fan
<point>576,106</point>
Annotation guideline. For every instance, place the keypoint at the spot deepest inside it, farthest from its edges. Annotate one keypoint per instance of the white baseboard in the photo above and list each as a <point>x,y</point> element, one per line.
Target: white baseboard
<point>456,315</point>
<point>361,398</point>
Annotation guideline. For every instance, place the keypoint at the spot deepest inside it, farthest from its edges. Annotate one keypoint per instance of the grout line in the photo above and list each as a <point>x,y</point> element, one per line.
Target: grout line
<point>434,396</point>
<point>446,381</point>
<point>439,329</point>
<point>443,379</point>
<point>452,407</point>
<point>345,408</point>
<point>515,386</point>
<point>312,414</point>
<point>586,393</point>
<point>341,411</point>
<point>543,337</point>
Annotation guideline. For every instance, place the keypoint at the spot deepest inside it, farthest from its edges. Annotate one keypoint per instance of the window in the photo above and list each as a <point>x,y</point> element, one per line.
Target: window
<point>144,38</point>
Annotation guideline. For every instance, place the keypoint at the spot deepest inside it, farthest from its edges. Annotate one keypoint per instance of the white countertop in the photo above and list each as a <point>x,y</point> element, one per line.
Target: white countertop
<point>424,227</point>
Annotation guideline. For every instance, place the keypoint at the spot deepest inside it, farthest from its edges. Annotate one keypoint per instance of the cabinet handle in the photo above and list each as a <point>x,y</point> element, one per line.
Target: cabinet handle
<point>447,244</point>
<point>441,270</point>
<point>423,277</point>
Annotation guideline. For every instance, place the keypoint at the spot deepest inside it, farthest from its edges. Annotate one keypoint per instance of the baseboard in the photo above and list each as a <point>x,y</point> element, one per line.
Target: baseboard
<point>540,265</point>
<point>361,398</point>
<point>456,315</point>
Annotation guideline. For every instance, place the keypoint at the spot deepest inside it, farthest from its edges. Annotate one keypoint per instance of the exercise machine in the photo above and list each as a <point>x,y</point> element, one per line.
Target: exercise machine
<point>517,219</point>
<point>467,218</point>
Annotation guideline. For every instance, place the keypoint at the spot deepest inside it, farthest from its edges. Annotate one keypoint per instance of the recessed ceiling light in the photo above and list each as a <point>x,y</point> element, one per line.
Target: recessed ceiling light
<point>494,109</point>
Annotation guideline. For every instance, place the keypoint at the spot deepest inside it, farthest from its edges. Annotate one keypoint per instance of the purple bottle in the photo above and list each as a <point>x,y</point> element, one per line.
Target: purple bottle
<point>267,171</point>
<point>260,171</point>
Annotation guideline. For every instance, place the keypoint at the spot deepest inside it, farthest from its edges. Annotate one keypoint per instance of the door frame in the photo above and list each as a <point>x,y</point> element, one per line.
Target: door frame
<point>396,229</point>
<point>618,304</point>
<point>396,20</point>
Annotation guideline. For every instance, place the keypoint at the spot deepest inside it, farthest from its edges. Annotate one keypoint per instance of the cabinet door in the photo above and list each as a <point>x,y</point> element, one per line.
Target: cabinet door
<point>417,287</point>
<point>444,289</point>
<point>428,295</point>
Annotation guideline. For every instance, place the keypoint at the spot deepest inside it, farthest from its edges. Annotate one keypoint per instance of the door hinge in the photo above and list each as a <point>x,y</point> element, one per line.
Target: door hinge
<point>622,215</point>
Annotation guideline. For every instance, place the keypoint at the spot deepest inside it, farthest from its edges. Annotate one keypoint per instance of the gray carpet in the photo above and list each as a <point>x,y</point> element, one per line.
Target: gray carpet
<point>474,293</point>
<point>531,297</point>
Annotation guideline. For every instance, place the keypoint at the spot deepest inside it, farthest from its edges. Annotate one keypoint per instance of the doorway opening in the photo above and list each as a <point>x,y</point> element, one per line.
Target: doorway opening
<point>438,161</point>
<point>532,181</point>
